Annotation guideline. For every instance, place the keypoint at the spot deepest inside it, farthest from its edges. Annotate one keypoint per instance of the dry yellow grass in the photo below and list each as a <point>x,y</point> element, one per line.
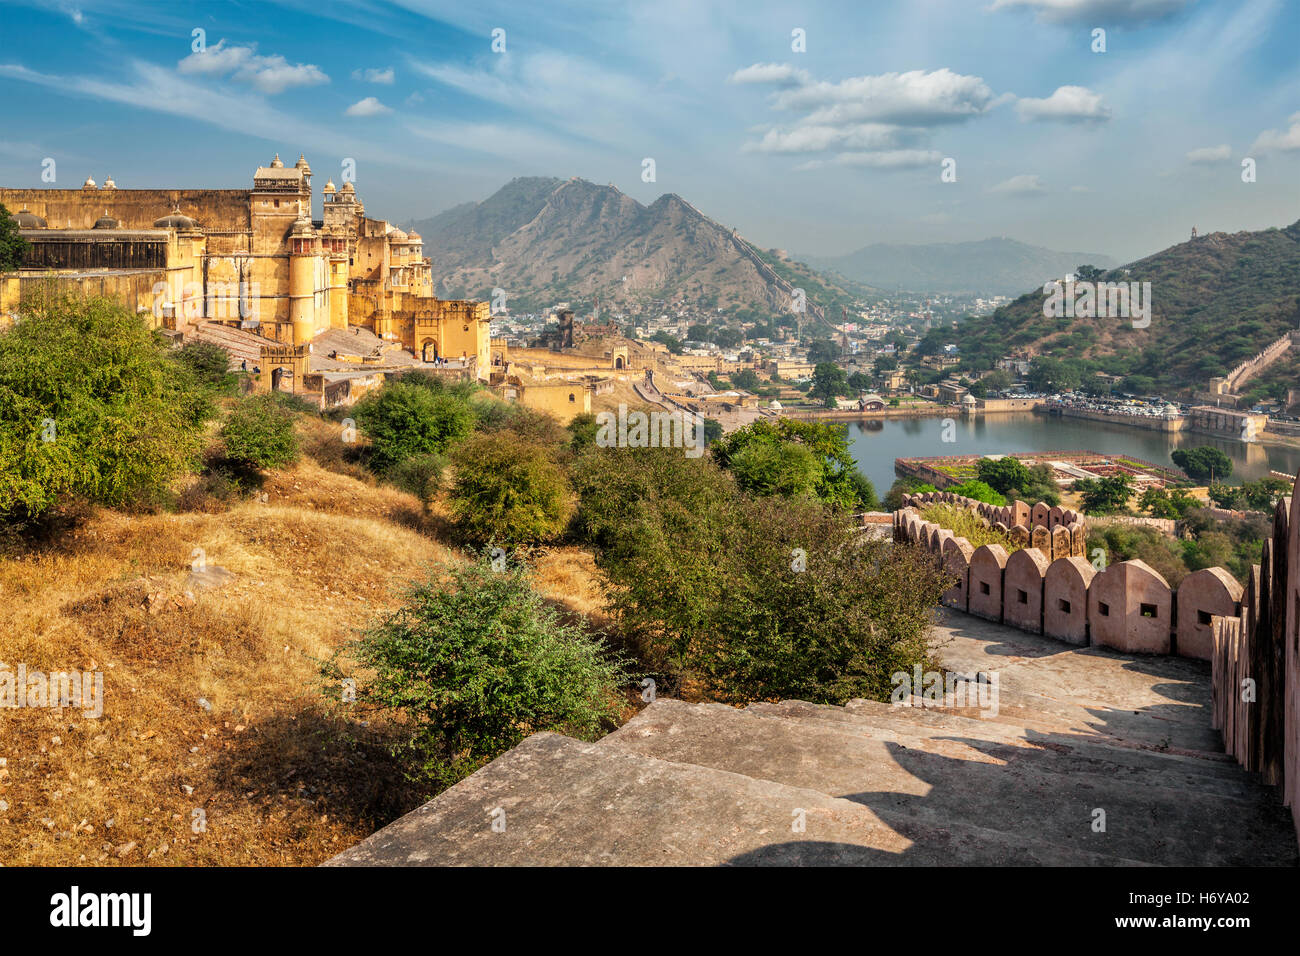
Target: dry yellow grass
<point>316,556</point>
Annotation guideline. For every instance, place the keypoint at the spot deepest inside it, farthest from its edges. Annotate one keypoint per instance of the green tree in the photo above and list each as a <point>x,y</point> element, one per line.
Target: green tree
<point>1204,463</point>
<point>474,664</point>
<point>746,378</point>
<point>829,382</point>
<point>750,598</point>
<point>259,433</point>
<point>978,490</point>
<point>507,491</point>
<point>827,443</point>
<point>1103,496</point>
<point>674,344</point>
<point>210,364</point>
<point>404,419</point>
<point>12,245</point>
<point>93,405</point>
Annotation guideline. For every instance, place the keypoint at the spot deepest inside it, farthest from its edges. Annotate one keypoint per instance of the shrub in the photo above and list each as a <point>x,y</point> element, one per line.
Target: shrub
<point>92,405</point>
<point>794,458</point>
<point>210,364</point>
<point>475,664</point>
<point>974,488</point>
<point>966,524</point>
<point>751,599</point>
<point>259,433</point>
<point>404,419</point>
<point>507,491</point>
<point>421,475</point>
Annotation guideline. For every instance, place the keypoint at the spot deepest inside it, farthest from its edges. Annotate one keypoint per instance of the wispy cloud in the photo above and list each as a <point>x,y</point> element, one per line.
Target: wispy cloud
<point>1026,184</point>
<point>1282,141</point>
<point>375,75</point>
<point>1207,155</point>
<point>1096,12</point>
<point>270,74</point>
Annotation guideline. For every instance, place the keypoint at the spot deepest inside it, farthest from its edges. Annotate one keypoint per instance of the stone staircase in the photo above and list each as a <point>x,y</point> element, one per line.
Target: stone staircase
<point>1076,731</point>
<point>243,346</point>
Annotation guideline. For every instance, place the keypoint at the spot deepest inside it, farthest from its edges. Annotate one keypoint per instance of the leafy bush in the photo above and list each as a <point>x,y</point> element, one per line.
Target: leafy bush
<point>475,664</point>
<point>259,433</point>
<point>210,364</point>
<point>507,491</point>
<point>750,599</point>
<point>966,524</point>
<point>795,458</point>
<point>421,475</point>
<point>974,488</point>
<point>92,405</point>
<point>404,419</point>
<point>1205,463</point>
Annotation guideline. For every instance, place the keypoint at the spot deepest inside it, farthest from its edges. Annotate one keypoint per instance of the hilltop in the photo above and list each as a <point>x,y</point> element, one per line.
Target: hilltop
<point>545,239</point>
<point>1216,300</point>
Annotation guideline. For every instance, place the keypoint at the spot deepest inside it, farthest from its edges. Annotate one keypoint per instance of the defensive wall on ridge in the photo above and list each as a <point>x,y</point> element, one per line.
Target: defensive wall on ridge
<point>1049,587</point>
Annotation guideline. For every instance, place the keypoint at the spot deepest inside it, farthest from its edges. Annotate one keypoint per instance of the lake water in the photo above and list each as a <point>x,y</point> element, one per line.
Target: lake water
<point>876,443</point>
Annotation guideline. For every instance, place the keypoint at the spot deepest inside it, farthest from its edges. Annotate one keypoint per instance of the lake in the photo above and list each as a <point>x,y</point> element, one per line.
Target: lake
<point>875,443</point>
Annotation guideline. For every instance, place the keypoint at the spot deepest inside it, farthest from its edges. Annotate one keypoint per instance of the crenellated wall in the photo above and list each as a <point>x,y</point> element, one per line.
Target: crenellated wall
<point>1255,663</point>
<point>1048,586</point>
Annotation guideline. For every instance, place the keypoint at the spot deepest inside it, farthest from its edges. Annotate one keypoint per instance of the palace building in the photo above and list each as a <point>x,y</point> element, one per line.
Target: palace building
<point>255,260</point>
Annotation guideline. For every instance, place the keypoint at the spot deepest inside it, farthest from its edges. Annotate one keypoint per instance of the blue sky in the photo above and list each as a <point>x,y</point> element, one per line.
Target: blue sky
<point>817,151</point>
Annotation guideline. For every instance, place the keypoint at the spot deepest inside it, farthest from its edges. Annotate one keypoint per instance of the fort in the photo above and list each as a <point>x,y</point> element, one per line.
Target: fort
<point>252,261</point>
<point>1049,587</point>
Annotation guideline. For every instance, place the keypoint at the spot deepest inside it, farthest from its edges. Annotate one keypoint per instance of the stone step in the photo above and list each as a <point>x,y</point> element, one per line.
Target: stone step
<point>1151,700</point>
<point>1053,753</point>
<point>947,783</point>
<point>564,802</point>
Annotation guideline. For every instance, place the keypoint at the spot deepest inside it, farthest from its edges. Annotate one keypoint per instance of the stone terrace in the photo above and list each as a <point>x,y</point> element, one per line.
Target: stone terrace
<point>1077,729</point>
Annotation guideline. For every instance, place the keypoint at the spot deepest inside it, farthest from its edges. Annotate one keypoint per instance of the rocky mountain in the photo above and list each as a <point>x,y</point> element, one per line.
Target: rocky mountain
<point>1215,300</point>
<point>543,240</point>
<point>987,267</point>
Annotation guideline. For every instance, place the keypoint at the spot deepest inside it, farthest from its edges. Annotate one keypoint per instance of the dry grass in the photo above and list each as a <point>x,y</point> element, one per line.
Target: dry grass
<point>316,556</point>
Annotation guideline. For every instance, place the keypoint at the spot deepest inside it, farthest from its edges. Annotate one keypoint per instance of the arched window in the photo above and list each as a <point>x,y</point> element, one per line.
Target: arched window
<point>571,398</point>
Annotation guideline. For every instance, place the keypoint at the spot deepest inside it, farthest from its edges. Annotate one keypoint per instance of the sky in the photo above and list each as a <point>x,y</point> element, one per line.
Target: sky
<point>813,127</point>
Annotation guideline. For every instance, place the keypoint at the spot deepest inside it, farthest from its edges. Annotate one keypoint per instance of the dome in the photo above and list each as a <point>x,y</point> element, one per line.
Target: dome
<point>398,235</point>
<point>275,163</point>
<point>302,227</point>
<point>329,188</point>
<point>109,184</point>
<point>968,399</point>
<point>348,188</point>
<point>413,236</point>
<point>27,219</point>
<point>107,222</point>
<point>89,183</point>
<point>175,221</point>
<point>302,164</point>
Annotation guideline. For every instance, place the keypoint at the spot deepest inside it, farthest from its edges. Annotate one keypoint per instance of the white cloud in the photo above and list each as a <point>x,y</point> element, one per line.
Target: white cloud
<point>1096,12</point>
<point>367,107</point>
<point>915,98</point>
<point>782,73</point>
<point>1286,141</point>
<point>811,139</point>
<point>270,74</point>
<point>375,75</point>
<point>1209,154</point>
<point>1026,184</point>
<point>1069,104</point>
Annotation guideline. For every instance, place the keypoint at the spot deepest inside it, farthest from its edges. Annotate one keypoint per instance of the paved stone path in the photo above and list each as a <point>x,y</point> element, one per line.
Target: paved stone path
<point>1077,733</point>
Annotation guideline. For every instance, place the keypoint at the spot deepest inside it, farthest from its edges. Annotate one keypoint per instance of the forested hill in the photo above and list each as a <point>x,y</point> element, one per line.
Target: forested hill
<point>1216,300</point>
